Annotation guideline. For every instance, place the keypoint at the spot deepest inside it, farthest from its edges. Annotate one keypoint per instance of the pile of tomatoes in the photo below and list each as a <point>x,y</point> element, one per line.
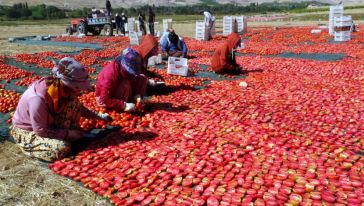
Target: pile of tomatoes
<point>290,134</point>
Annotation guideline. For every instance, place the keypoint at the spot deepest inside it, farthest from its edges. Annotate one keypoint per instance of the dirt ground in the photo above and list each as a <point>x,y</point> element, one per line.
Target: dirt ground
<point>8,48</point>
<point>25,181</point>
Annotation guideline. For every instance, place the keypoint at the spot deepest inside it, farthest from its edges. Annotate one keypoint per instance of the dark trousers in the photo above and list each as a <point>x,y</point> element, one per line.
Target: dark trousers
<point>119,28</point>
<point>151,28</point>
<point>142,29</point>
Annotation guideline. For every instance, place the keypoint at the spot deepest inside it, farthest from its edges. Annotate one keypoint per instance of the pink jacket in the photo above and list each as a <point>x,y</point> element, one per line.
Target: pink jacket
<point>107,87</point>
<point>108,81</point>
<point>35,112</point>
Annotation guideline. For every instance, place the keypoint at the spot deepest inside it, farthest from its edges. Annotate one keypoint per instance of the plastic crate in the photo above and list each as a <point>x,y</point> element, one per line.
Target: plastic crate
<point>166,24</point>
<point>342,23</point>
<point>177,66</point>
<point>343,20</point>
<point>229,25</point>
<point>131,24</point>
<point>335,11</point>
<point>342,36</point>
<point>201,31</point>
<point>241,22</point>
<point>316,31</point>
<point>134,38</point>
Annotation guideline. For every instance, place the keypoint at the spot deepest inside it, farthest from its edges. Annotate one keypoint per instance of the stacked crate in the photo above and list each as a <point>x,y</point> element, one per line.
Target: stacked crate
<point>241,24</point>
<point>342,28</point>
<point>229,25</point>
<point>201,31</point>
<point>167,24</point>
<point>335,11</point>
<point>135,38</point>
<point>131,25</point>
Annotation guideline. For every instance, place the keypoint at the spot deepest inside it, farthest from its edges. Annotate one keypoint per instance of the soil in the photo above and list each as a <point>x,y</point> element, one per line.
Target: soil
<point>26,181</point>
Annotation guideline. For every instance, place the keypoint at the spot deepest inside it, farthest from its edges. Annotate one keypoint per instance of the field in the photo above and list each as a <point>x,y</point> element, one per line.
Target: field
<point>294,134</point>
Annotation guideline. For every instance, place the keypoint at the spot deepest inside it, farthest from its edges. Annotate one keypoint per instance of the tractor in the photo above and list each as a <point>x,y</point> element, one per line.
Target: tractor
<point>94,24</point>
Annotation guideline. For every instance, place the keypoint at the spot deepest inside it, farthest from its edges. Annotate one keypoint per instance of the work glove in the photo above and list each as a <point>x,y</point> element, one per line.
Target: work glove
<point>152,82</point>
<point>139,105</point>
<point>138,98</point>
<point>129,107</point>
<point>105,117</point>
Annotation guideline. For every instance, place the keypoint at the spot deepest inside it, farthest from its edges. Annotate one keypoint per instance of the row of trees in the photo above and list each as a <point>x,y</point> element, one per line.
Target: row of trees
<point>22,11</point>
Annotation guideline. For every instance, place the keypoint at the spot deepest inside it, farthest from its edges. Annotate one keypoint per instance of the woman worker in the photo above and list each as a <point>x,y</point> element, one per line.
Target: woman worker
<point>223,60</point>
<point>121,85</point>
<point>47,117</point>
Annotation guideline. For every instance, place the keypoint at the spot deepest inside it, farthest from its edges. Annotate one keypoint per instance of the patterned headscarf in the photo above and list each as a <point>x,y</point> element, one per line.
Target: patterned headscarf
<point>72,74</point>
<point>129,61</point>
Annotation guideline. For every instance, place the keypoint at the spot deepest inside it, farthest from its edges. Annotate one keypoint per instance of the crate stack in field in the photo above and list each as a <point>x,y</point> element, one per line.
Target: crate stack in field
<point>135,38</point>
<point>342,28</point>
<point>167,24</point>
<point>229,25</point>
<point>131,25</point>
<point>234,24</point>
<point>201,31</point>
<point>242,24</point>
<point>335,11</point>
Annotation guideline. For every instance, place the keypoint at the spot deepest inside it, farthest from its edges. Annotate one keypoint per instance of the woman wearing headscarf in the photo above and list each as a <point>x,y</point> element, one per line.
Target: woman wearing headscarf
<point>223,60</point>
<point>174,46</point>
<point>47,117</point>
<point>120,84</point>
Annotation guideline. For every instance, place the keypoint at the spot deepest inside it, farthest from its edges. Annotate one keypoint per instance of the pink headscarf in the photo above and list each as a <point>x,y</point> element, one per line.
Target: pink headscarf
<point>72,74</point>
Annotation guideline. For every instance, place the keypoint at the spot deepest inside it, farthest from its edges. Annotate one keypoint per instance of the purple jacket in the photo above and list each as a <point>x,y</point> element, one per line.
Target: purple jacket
<point>35,112</point>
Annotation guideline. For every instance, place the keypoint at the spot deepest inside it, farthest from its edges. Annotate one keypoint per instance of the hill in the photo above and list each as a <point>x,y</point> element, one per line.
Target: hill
<point>74,4</point>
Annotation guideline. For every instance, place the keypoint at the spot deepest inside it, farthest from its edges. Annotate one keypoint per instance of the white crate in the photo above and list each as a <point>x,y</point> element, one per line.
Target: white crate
<point>241,24</point>
<point>177,66</point>
<point>229,25</point>
<point>201,31</point>
<point>342,25</point>
<point>202,37</point>
<point>335,11</point>
<point>131,24</point>
<point>316,31</point>
<point>126,27</point>
<point>166,24</point>
<point>134,38</point>
<point>343,21</point>
<point>342,36</point>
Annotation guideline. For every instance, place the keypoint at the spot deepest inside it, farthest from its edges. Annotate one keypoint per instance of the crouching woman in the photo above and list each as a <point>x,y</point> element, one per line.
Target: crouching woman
<point>47,117</point>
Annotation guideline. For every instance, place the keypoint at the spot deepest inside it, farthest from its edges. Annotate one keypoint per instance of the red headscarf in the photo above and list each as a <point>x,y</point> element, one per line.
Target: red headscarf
<point>147,44</point>
<point>219,60</point>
